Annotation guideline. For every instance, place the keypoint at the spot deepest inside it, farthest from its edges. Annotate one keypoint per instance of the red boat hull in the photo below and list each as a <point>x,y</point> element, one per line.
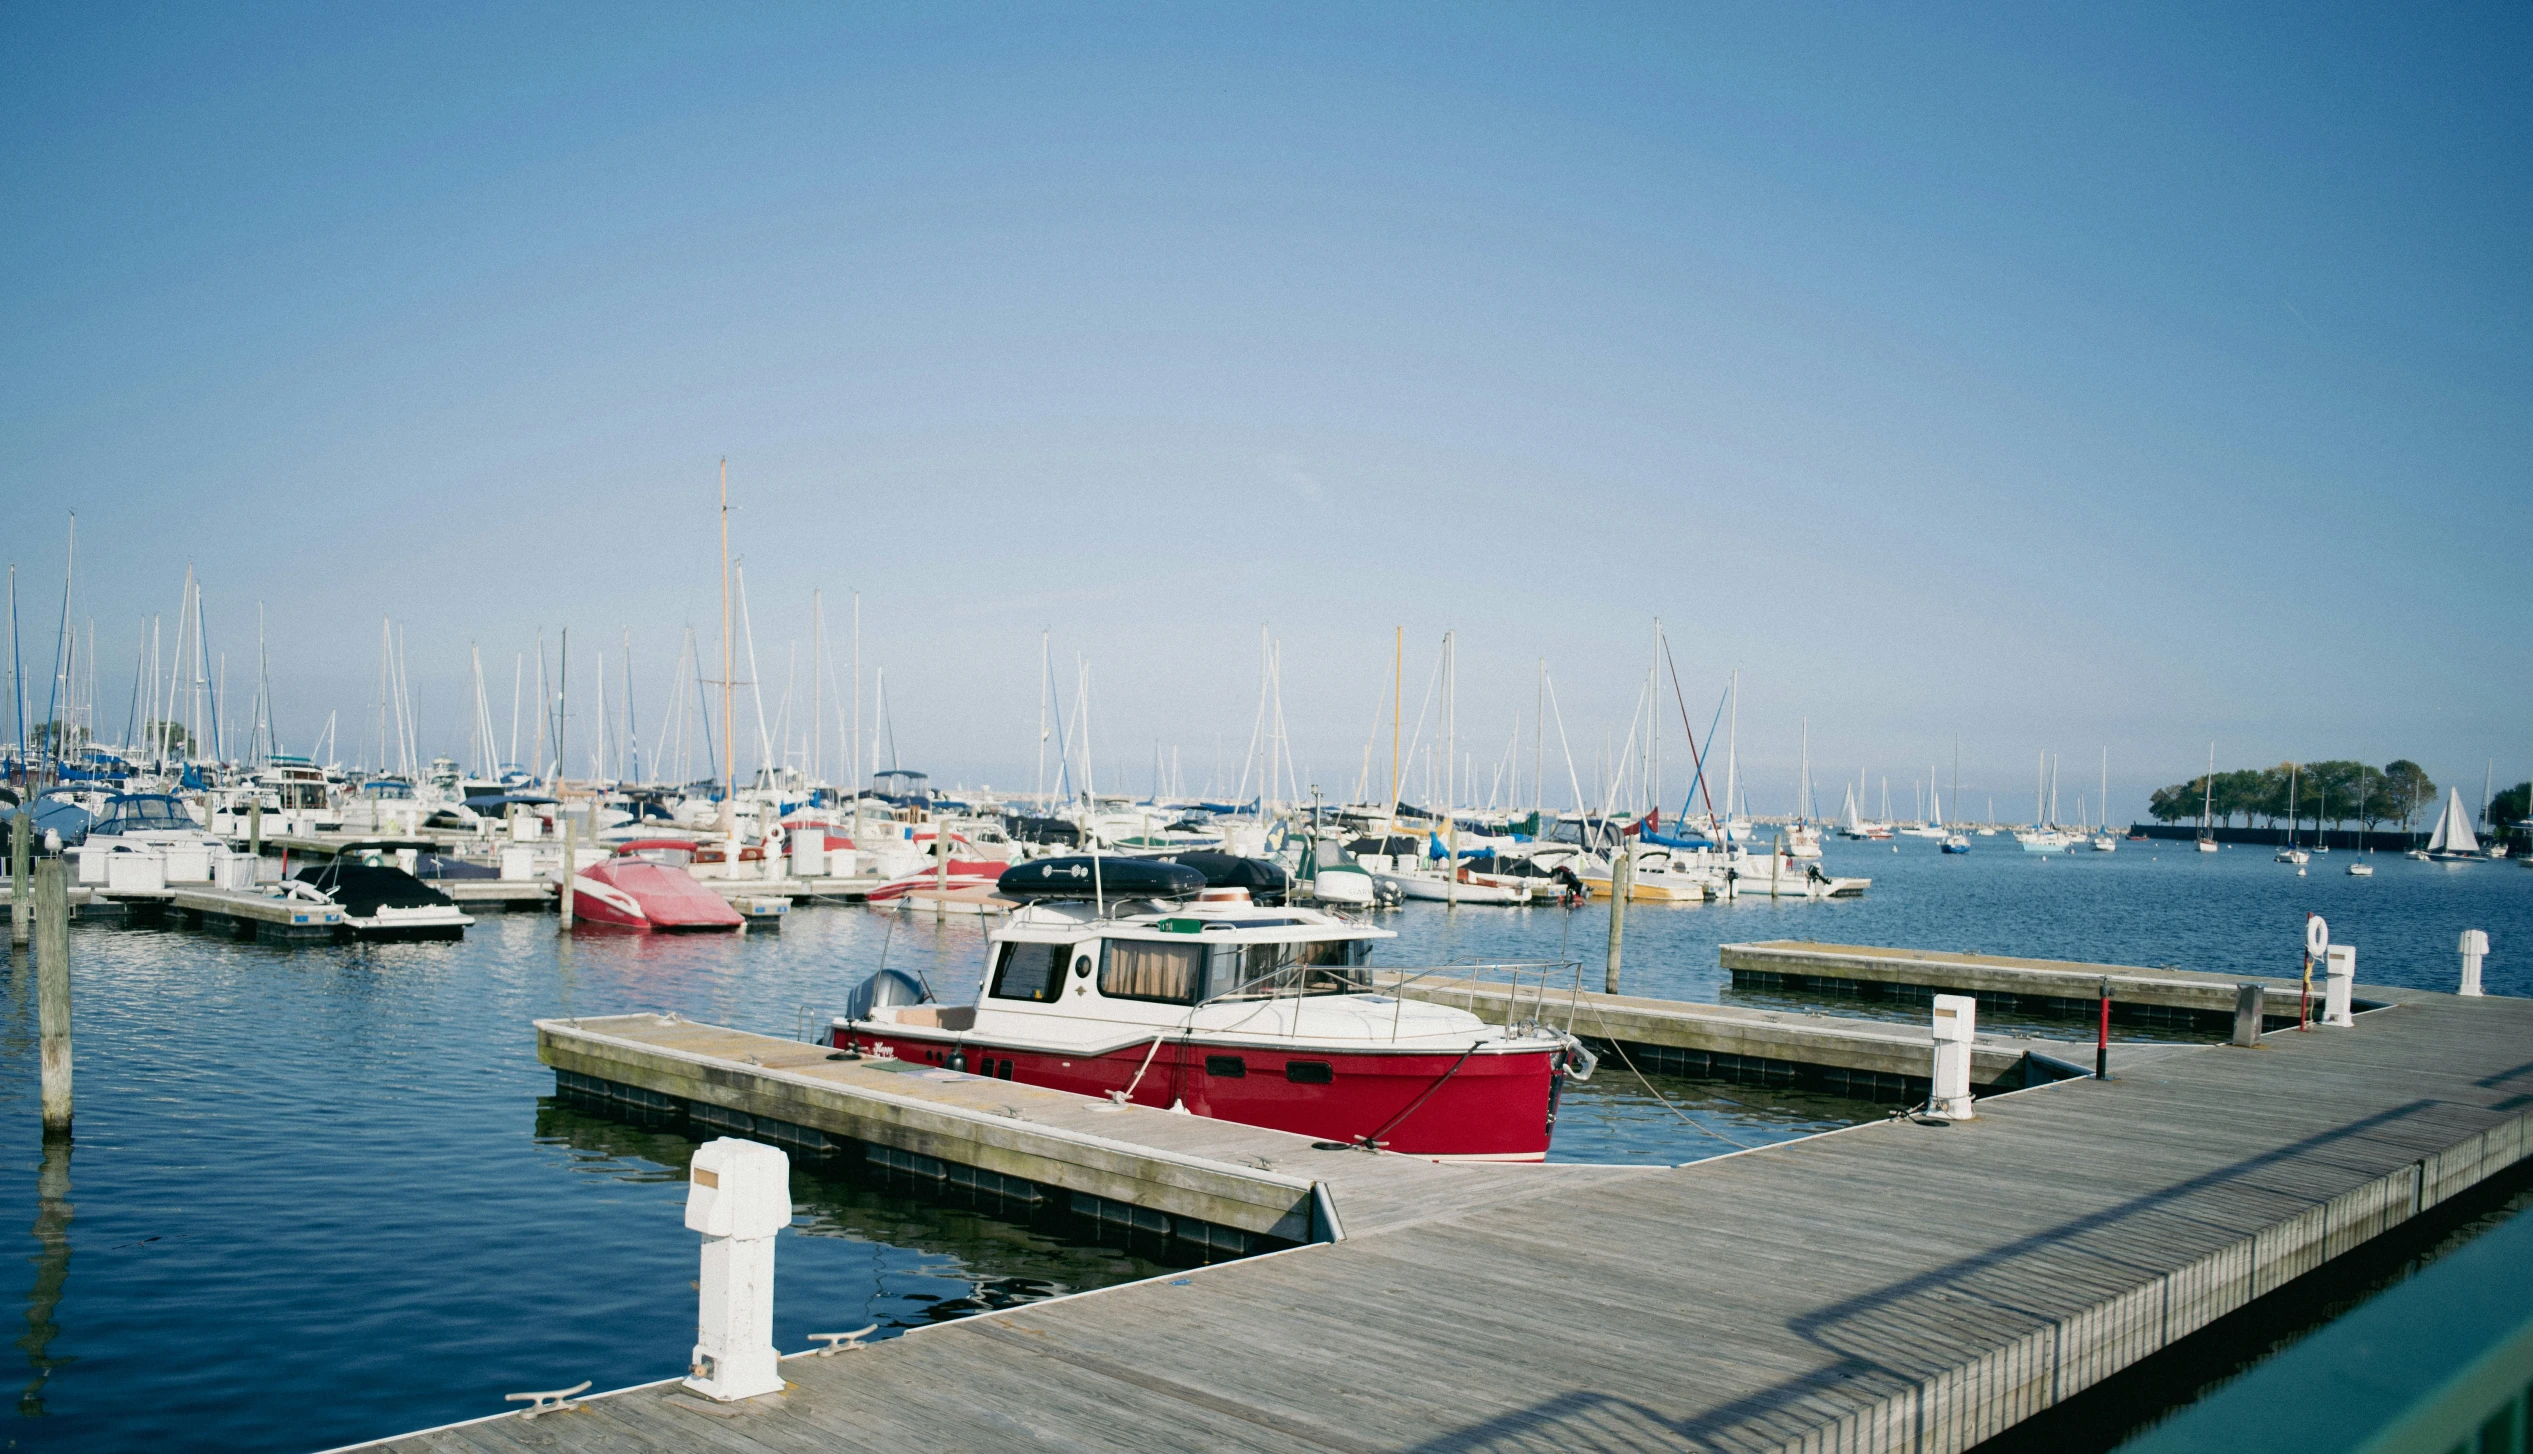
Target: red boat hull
<point>662,897</point>
<point>1494,1107</point>
<point>964,874</point>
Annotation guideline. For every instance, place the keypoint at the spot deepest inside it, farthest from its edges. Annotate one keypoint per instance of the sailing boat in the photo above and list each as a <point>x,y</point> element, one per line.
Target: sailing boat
<point>1956,842</point>
<point>1804,839</point>
<point>2497,846</point>
<point>2045,836</point>
<point>2291,853</point>
<point>2104,842</point>
<point>2207,805</point>
<point>2453,842</point>
<point>2362,866</point>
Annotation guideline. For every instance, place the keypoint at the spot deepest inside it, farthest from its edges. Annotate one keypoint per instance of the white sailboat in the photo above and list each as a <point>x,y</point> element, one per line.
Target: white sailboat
<point>2453,841</point>
<point>2207,805</point>
<point>2291,853</point>
<point>2105,841</point>
<point>2045,836</point>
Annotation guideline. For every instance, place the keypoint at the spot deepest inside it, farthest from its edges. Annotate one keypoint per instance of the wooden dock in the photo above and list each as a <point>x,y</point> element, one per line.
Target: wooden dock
<point>1893,1286</point>
<point>1869,1059</point>
<point>2162,995</point>
<point>497,895</point>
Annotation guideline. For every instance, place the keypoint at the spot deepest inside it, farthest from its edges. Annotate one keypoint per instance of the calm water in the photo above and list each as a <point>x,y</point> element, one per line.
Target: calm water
<point>326,1194</point>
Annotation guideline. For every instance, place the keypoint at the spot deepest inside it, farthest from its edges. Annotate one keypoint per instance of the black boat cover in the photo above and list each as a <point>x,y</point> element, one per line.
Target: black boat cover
<point>1396,845</point>
<point>1266,882</point>
<point>1117,878</point>
<point>361,890</point>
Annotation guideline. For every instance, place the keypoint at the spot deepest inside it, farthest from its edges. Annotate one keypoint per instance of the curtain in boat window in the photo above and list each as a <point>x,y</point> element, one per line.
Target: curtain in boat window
<point>1141,970</point>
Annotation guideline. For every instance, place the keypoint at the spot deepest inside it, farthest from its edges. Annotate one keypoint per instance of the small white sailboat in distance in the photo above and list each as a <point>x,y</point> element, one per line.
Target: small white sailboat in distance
<point>2207,803</point>
<point>2453,841</point>
<point>2104,841</point>
<point>2290,853</point>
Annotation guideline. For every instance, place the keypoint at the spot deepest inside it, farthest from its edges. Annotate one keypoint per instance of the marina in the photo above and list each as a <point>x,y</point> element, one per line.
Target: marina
<point>1422,730</point>
<point>603,1167</point>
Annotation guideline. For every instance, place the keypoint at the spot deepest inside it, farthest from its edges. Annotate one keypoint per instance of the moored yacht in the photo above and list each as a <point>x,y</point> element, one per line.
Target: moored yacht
<point>1224,1008</point>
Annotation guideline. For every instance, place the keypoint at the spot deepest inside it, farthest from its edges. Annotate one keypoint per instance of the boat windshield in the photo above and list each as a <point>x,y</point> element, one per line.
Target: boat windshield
<point>153,813</point>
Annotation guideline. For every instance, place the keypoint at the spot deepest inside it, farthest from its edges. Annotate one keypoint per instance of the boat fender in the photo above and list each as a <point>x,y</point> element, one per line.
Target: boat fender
<point>958,1058</point>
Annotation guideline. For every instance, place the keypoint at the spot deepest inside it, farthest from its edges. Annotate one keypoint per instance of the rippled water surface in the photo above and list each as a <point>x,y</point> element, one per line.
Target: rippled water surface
<point>325,1194</point>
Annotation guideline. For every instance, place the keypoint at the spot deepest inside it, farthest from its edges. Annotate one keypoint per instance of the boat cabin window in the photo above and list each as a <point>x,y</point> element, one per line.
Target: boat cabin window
<point>1312,967</point>
<point>1138,969</point>
<point>1032,972</point>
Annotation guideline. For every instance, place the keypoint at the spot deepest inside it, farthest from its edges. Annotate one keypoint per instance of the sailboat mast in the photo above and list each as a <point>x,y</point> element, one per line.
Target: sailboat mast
<point>729,701</point>
<point>1398,683</point>
<point>1732,751</point>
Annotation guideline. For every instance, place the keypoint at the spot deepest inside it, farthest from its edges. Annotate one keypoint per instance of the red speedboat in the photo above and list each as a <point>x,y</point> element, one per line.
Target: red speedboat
<point>1266,1016</point>
<point>646,886</point>
<point>964,874</point>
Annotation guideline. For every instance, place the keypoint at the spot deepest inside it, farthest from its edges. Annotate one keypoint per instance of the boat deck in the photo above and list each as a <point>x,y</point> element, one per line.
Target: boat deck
<point>1892,1286</point>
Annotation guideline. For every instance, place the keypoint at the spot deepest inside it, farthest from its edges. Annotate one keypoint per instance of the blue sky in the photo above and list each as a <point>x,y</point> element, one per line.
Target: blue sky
<point>2058,378</point>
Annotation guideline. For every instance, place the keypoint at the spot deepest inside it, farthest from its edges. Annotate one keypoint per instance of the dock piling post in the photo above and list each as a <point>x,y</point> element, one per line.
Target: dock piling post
<point>739,1195</point>
<point>2102,1038</point>
<point>21,856</point>
<point>1622,884</point>
<point>2474,944</point>
<point>52,990</point>
<point>1956,1026</point>
<point>255,827</point>
<point>2339,972</point>
<point>2250,1005</point>
<point>571,863</point>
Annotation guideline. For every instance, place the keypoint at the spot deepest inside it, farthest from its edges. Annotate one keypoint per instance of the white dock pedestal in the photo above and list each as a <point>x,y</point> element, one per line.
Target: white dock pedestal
<point>739,1195</point>
<point>1956,1025</point>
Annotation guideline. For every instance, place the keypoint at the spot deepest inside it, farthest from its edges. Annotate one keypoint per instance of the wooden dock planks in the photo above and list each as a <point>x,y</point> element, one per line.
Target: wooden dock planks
<point>2032,981</point>
<point>1889,1287</point>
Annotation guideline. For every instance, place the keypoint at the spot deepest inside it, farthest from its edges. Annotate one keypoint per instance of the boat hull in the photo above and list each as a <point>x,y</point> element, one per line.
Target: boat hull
<point>651,897</point>
<point>1492,1106</point>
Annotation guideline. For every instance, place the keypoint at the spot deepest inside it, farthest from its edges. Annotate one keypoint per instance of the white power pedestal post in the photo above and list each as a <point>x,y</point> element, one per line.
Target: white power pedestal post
<point>2475,943</point>
<point>1956,1024</point>
<point>739,1195</point>
<point>2339,972</point>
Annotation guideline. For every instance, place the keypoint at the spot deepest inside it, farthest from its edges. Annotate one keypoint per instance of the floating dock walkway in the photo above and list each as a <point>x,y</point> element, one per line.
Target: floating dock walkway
<point>1892,1286</point>
<point>2164,996</point>
<point>1877,1060</point>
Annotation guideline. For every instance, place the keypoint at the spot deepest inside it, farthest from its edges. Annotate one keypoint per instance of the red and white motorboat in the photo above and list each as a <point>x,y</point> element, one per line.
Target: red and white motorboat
<point>646,886</point>
<point>964,874</point>
<point>1266,1016</point>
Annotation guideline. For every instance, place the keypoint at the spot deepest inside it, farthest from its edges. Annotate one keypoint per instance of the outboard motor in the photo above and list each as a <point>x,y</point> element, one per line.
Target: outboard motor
<point>887,987</point>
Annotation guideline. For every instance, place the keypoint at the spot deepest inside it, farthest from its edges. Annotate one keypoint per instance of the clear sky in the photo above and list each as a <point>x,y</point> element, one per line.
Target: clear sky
<point>2057,377</point>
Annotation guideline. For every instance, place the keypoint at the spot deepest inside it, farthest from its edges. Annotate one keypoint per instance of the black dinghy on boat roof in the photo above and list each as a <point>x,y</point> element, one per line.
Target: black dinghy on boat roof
<point>1082,877</point>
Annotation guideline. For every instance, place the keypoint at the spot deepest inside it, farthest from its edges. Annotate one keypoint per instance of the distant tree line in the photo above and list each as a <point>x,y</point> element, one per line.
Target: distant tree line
<point>2336,793</point>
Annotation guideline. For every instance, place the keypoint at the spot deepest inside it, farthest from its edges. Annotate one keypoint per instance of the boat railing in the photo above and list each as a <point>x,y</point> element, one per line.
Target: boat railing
<point>1519,993</point>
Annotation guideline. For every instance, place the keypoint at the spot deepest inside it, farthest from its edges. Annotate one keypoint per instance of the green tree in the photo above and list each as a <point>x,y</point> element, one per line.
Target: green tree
<point>2240,794</point>
<point>56,738</point>
<point>170,737</point>
<point>2176,804</point>
<point>2408,789</point>
<point>2507,810</point>
<point>2333,789</point>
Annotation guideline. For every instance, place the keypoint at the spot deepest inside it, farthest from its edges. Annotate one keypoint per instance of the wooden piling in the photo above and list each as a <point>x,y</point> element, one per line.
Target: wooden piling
<point>1622,885</point>
<point>21,854</point>
<point>52,989</point>
<point>571,862</point>
<point>255,827</point>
